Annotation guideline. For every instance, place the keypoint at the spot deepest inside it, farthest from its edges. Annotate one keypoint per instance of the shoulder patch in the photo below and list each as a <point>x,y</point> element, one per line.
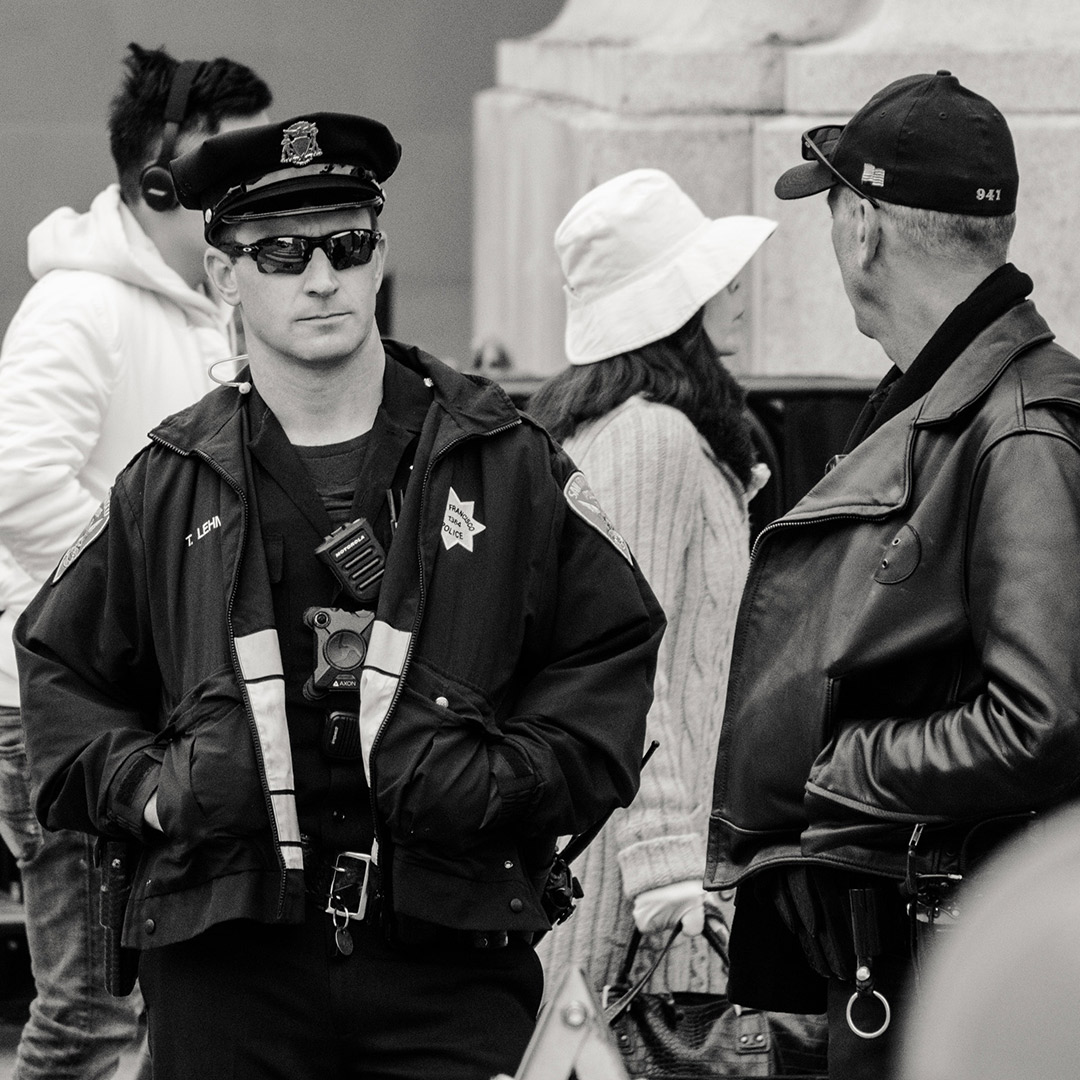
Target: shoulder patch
<point>94,528</point>
<point>587,507</point>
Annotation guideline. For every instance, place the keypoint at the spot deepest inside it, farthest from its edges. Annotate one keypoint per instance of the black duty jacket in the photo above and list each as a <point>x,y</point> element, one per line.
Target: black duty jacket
<point>502,704</point>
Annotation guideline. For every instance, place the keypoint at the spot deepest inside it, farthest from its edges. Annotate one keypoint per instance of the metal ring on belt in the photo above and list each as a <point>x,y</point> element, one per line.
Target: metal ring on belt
<point>884,1024</point>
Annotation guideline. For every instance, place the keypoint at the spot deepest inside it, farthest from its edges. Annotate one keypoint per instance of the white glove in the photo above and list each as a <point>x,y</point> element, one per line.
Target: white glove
<point>663,907</point>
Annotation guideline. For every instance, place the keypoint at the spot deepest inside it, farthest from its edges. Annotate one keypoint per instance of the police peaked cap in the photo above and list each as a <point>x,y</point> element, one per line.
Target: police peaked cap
<point>309,164</point>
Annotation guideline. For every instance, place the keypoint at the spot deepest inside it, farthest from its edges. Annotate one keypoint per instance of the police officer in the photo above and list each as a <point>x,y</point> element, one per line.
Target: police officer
<point>356,645</point>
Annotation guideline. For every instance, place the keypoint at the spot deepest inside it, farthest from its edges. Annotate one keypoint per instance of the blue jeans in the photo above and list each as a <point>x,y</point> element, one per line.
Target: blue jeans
<point>76,1029</point>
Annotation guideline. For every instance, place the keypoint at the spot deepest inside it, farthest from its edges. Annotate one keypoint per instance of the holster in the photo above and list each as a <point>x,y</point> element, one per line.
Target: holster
<point>561,891</point>
<point>117,874</point>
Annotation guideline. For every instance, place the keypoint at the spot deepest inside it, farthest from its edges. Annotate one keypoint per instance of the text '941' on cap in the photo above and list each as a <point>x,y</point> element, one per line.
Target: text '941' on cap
<point>923,141</point>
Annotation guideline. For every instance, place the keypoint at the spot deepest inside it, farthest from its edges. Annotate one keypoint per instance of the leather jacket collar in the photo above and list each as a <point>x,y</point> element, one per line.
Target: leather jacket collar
<point>876,477</point>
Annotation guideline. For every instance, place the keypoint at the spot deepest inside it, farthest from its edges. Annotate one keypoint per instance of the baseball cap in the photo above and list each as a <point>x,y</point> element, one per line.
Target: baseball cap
<point>307,164</point>
<point>923,141</point>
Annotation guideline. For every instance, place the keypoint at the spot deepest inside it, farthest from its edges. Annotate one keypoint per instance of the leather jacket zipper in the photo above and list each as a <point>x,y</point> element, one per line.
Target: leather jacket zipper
<point>736,666</point>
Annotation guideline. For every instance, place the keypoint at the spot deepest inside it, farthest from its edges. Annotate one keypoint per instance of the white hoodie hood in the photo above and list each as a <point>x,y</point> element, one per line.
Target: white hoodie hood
<point>108,240</point>
<point>107,343</point>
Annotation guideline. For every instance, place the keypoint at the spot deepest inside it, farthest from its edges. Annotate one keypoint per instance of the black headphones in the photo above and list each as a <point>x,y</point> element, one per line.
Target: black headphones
<point>156,182</point>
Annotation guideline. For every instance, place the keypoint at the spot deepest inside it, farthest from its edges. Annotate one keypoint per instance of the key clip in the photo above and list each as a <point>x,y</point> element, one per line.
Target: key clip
<point>351,872</point>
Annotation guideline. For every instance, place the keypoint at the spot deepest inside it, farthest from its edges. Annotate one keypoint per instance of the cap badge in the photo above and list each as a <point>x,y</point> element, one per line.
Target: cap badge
<point>873,177</point>
<point>298,143</point>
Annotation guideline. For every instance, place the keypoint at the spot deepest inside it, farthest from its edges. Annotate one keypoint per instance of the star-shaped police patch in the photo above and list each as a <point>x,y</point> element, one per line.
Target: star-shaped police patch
<point>459,525</point>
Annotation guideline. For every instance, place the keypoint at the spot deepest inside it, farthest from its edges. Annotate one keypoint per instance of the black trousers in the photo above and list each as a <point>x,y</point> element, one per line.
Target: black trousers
<point>819,902</point>
<point>245,1001</point>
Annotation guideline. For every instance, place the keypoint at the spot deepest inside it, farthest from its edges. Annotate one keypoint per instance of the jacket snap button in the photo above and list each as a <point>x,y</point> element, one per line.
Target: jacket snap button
<point>884,564</point>
<point>150,926</point>
<point>442,702</point>
<point>509,864</point>
<point>896,540</point>
<point>516,905</point>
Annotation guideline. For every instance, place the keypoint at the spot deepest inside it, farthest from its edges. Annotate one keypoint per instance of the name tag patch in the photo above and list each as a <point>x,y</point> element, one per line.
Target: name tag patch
<point>587,507</point>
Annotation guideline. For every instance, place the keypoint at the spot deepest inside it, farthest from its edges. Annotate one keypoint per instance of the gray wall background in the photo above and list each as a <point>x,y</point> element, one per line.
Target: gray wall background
<point>413,64</point>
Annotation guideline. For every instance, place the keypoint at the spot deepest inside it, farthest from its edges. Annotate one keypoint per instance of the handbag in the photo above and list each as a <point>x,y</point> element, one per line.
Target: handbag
<point>682,1035</point>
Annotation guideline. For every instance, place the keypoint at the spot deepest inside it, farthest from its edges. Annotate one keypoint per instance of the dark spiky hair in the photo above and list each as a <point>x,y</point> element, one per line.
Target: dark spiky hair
<point>223,88</point>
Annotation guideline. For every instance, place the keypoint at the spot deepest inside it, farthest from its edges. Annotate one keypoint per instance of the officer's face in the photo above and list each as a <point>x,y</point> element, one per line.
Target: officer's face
<point>319,317</point>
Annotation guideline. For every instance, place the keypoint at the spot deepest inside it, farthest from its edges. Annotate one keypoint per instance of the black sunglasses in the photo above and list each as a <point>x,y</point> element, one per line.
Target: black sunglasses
<point>291,254</point>
<point>818,144</point>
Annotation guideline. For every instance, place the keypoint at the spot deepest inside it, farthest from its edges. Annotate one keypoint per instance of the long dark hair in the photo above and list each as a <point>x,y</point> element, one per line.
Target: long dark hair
<point>682,370</point>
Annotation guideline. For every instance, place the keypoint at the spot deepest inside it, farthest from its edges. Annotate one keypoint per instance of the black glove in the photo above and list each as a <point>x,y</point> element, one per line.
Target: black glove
<point>819,916</point>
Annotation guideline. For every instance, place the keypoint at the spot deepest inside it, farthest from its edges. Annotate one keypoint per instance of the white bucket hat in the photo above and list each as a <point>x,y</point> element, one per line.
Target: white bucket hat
<point>640,258</point>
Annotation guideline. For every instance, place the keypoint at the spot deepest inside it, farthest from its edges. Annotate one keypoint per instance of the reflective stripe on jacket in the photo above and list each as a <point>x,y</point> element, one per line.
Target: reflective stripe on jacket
<point>504,694</point>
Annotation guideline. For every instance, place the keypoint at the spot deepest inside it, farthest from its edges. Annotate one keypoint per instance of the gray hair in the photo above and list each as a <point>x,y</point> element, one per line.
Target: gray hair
<point>958,237</point>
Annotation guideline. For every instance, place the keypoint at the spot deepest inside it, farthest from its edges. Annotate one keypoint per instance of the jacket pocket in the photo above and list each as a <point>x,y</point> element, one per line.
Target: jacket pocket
<point>210,783</point>
<point>433,767</point>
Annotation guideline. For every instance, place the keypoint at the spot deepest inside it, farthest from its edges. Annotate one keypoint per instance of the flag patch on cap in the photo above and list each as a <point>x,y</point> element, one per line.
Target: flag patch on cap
<point>587,507</point>
<point>873,177</point>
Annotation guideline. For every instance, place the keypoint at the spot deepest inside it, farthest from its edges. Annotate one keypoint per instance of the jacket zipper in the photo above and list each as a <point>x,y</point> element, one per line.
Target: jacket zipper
<point>432,462</point>
<point>735,669</point>
<point>235,657</point>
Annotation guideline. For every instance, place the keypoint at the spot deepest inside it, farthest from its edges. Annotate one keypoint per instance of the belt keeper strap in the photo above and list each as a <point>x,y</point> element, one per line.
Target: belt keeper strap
<point>865,934</point>
<point>867,938</point>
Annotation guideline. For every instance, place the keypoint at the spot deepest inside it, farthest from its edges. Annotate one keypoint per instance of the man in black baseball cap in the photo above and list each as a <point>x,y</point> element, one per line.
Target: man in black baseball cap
<point>908,635</point>
<point>924,141</point>
<point>353,654</point>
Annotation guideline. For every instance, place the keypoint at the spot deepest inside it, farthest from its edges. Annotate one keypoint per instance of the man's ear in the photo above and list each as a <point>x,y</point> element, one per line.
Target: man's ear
<point>380,256</point>
<point>867,232</point>
<point>221,272</point>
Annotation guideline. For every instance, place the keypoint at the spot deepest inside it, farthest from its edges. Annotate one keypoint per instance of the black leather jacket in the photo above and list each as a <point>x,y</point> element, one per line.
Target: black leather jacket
<point>906,649</point>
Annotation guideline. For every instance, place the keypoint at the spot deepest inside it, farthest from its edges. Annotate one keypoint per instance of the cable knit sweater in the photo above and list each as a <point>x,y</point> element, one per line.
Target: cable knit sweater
<point>685,518</point>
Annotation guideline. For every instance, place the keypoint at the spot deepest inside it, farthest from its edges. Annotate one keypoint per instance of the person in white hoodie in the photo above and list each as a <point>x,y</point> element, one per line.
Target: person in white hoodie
<point>118,331</point>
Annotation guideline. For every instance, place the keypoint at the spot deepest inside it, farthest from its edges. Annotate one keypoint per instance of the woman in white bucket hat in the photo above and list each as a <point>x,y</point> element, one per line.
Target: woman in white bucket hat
<point>656,423</point>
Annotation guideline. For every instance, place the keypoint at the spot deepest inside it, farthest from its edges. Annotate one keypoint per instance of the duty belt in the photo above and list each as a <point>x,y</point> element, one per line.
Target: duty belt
<point>345,886</point>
